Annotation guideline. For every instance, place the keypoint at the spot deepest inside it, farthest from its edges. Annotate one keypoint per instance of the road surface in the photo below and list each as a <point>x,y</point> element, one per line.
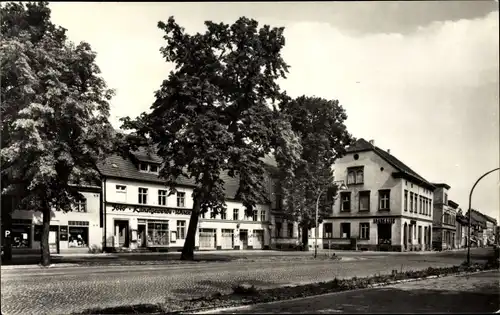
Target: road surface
<point>73,289</point>
<point>475,294</point>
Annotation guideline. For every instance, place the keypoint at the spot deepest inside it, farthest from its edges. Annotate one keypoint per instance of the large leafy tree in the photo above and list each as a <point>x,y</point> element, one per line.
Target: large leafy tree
<point>323,136</point>
<point>54,114</point>
<point>216,112</point>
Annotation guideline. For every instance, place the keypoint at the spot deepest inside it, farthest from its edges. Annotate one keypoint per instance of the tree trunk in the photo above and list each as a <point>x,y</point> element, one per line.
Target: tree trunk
<point>45,237</point>
<point>188,249</point>
<point>305,238</point>
<point>7,236</point>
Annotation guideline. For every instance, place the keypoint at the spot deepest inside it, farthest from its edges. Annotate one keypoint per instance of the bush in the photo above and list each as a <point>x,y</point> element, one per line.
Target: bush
<point>94,249</point>
<point>245,289</point>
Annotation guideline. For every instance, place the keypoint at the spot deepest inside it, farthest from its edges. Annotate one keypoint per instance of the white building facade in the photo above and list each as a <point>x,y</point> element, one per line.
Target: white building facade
<point>140,213</point>
<point>386,206</point>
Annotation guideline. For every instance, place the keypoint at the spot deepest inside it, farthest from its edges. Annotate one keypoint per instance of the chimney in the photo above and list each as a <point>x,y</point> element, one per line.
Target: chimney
<point>372,142</point>
<point>389,151</point>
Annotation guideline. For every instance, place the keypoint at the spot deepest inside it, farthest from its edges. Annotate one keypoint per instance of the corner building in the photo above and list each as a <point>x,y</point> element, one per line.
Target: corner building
<point>387,206</point>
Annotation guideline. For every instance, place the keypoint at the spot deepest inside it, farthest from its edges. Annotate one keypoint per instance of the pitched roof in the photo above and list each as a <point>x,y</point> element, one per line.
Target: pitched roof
<point>116,166</point>
<point>484,216</point>
<point>452,204</point>
<point>362,145</point>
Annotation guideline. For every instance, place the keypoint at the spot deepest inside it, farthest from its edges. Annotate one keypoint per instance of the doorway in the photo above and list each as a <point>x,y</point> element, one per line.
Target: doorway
<point>141,235</point>
<point>384,234</point>
<point>405,236</point>
<point>121,233</point>
<point>244,239</point>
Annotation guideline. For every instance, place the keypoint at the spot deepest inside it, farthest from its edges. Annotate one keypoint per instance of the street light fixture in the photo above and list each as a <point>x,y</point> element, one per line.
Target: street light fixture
<point>340,186</point>
<point>470,210</point>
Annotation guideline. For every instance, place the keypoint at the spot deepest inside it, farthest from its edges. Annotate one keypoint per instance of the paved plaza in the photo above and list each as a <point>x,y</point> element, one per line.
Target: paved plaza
<point>64,290</point>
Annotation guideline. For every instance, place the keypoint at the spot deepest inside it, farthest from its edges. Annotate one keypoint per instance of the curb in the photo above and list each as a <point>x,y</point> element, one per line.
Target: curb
<point>248,306</point>
<point>51,266</point>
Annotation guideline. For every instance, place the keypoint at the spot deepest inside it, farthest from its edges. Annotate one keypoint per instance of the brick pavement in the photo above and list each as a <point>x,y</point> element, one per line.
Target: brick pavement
<point>66,290</point>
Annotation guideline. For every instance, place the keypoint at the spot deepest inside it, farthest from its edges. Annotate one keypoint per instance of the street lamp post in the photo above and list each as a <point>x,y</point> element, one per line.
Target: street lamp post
<point>316,227</point>
<point>470,210</point>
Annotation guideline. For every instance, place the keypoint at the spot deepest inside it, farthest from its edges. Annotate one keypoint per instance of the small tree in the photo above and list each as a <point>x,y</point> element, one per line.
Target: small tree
<point>54,114</point>
<point>214,113</point>
<point>319,124</point>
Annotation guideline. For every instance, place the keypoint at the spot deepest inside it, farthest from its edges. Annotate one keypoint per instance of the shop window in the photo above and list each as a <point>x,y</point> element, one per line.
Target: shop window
<point>158,233</point>
<point>21,235</point>
<point>181,229</point>
<point>78,236</point>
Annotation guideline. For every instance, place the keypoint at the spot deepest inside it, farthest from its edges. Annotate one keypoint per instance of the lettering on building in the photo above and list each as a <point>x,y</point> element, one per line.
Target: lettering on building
<point>152,210</point>
<point>384,220</point>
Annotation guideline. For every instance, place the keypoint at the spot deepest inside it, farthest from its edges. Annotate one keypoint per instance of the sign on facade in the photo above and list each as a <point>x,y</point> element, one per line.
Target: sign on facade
<point>152,210</point>
<point>384,220</point>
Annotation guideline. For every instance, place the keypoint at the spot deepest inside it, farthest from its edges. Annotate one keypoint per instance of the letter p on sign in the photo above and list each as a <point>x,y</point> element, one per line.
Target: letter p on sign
<point>7,233</point>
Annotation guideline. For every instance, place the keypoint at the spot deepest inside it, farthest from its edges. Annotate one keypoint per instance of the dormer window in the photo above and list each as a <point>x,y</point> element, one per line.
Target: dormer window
<point>143,167</point>
<point>148,168</point>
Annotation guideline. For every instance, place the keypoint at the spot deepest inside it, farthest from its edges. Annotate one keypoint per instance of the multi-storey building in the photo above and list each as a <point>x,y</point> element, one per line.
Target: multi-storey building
<point>387,205</point>
<point>478,226</point>
<point>444,224</point>
<point>460,229</point>
<point>139,211</point>
<point>70,232</point>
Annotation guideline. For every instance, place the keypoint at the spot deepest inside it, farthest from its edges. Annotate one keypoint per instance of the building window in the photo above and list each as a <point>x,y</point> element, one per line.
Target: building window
<point>364,201</point>
<point>181,229</point>
<point>20,234</point>
<point>328,230</point>
<point>263,215</point>
<point>121,188</point>
<point>143,167</point>
<point>290,230</point>
<point>420,235</point>
<point>153,168</point>
<point>223,214</point>
<point>255,215</point>
<point>162,197</point>
<point>81,205</point>
<point>212,214</point>
<point>202,215</point>
<point>415,203</point>
<point>236,215</point>
<point>384,199</point>
<point>78,236</point>
<point>411,202</point>
<point>181,199</point>
<point>158,233</point>
<point>355,175</point>
<point>406,201</point>
<point>445,198</point>
<point>345,205</point>
<point>420,205</point>
<point>143,195</point>
<point>345,230</point>
<point>278,229</point>
<point>364,231</point>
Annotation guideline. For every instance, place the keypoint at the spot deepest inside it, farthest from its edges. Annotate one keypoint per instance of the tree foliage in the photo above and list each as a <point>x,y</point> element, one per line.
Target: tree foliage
<point>323,137</point>
<point>216,111</point>
<point>54,112</point>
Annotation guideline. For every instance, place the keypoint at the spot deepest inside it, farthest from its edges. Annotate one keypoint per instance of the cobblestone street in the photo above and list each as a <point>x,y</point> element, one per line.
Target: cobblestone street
<point>70,289</point>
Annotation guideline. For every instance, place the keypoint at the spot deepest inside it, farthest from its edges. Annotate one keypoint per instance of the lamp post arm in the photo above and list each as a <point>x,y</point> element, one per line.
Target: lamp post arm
<point>470,210</point>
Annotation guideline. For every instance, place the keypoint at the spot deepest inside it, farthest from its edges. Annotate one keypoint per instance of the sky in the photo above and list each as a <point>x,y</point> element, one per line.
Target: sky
<point>419,78</point>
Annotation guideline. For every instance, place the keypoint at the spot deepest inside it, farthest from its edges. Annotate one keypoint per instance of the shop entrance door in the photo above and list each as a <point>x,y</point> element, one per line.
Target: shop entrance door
<point>141,235</point>
<point>121,233</point>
